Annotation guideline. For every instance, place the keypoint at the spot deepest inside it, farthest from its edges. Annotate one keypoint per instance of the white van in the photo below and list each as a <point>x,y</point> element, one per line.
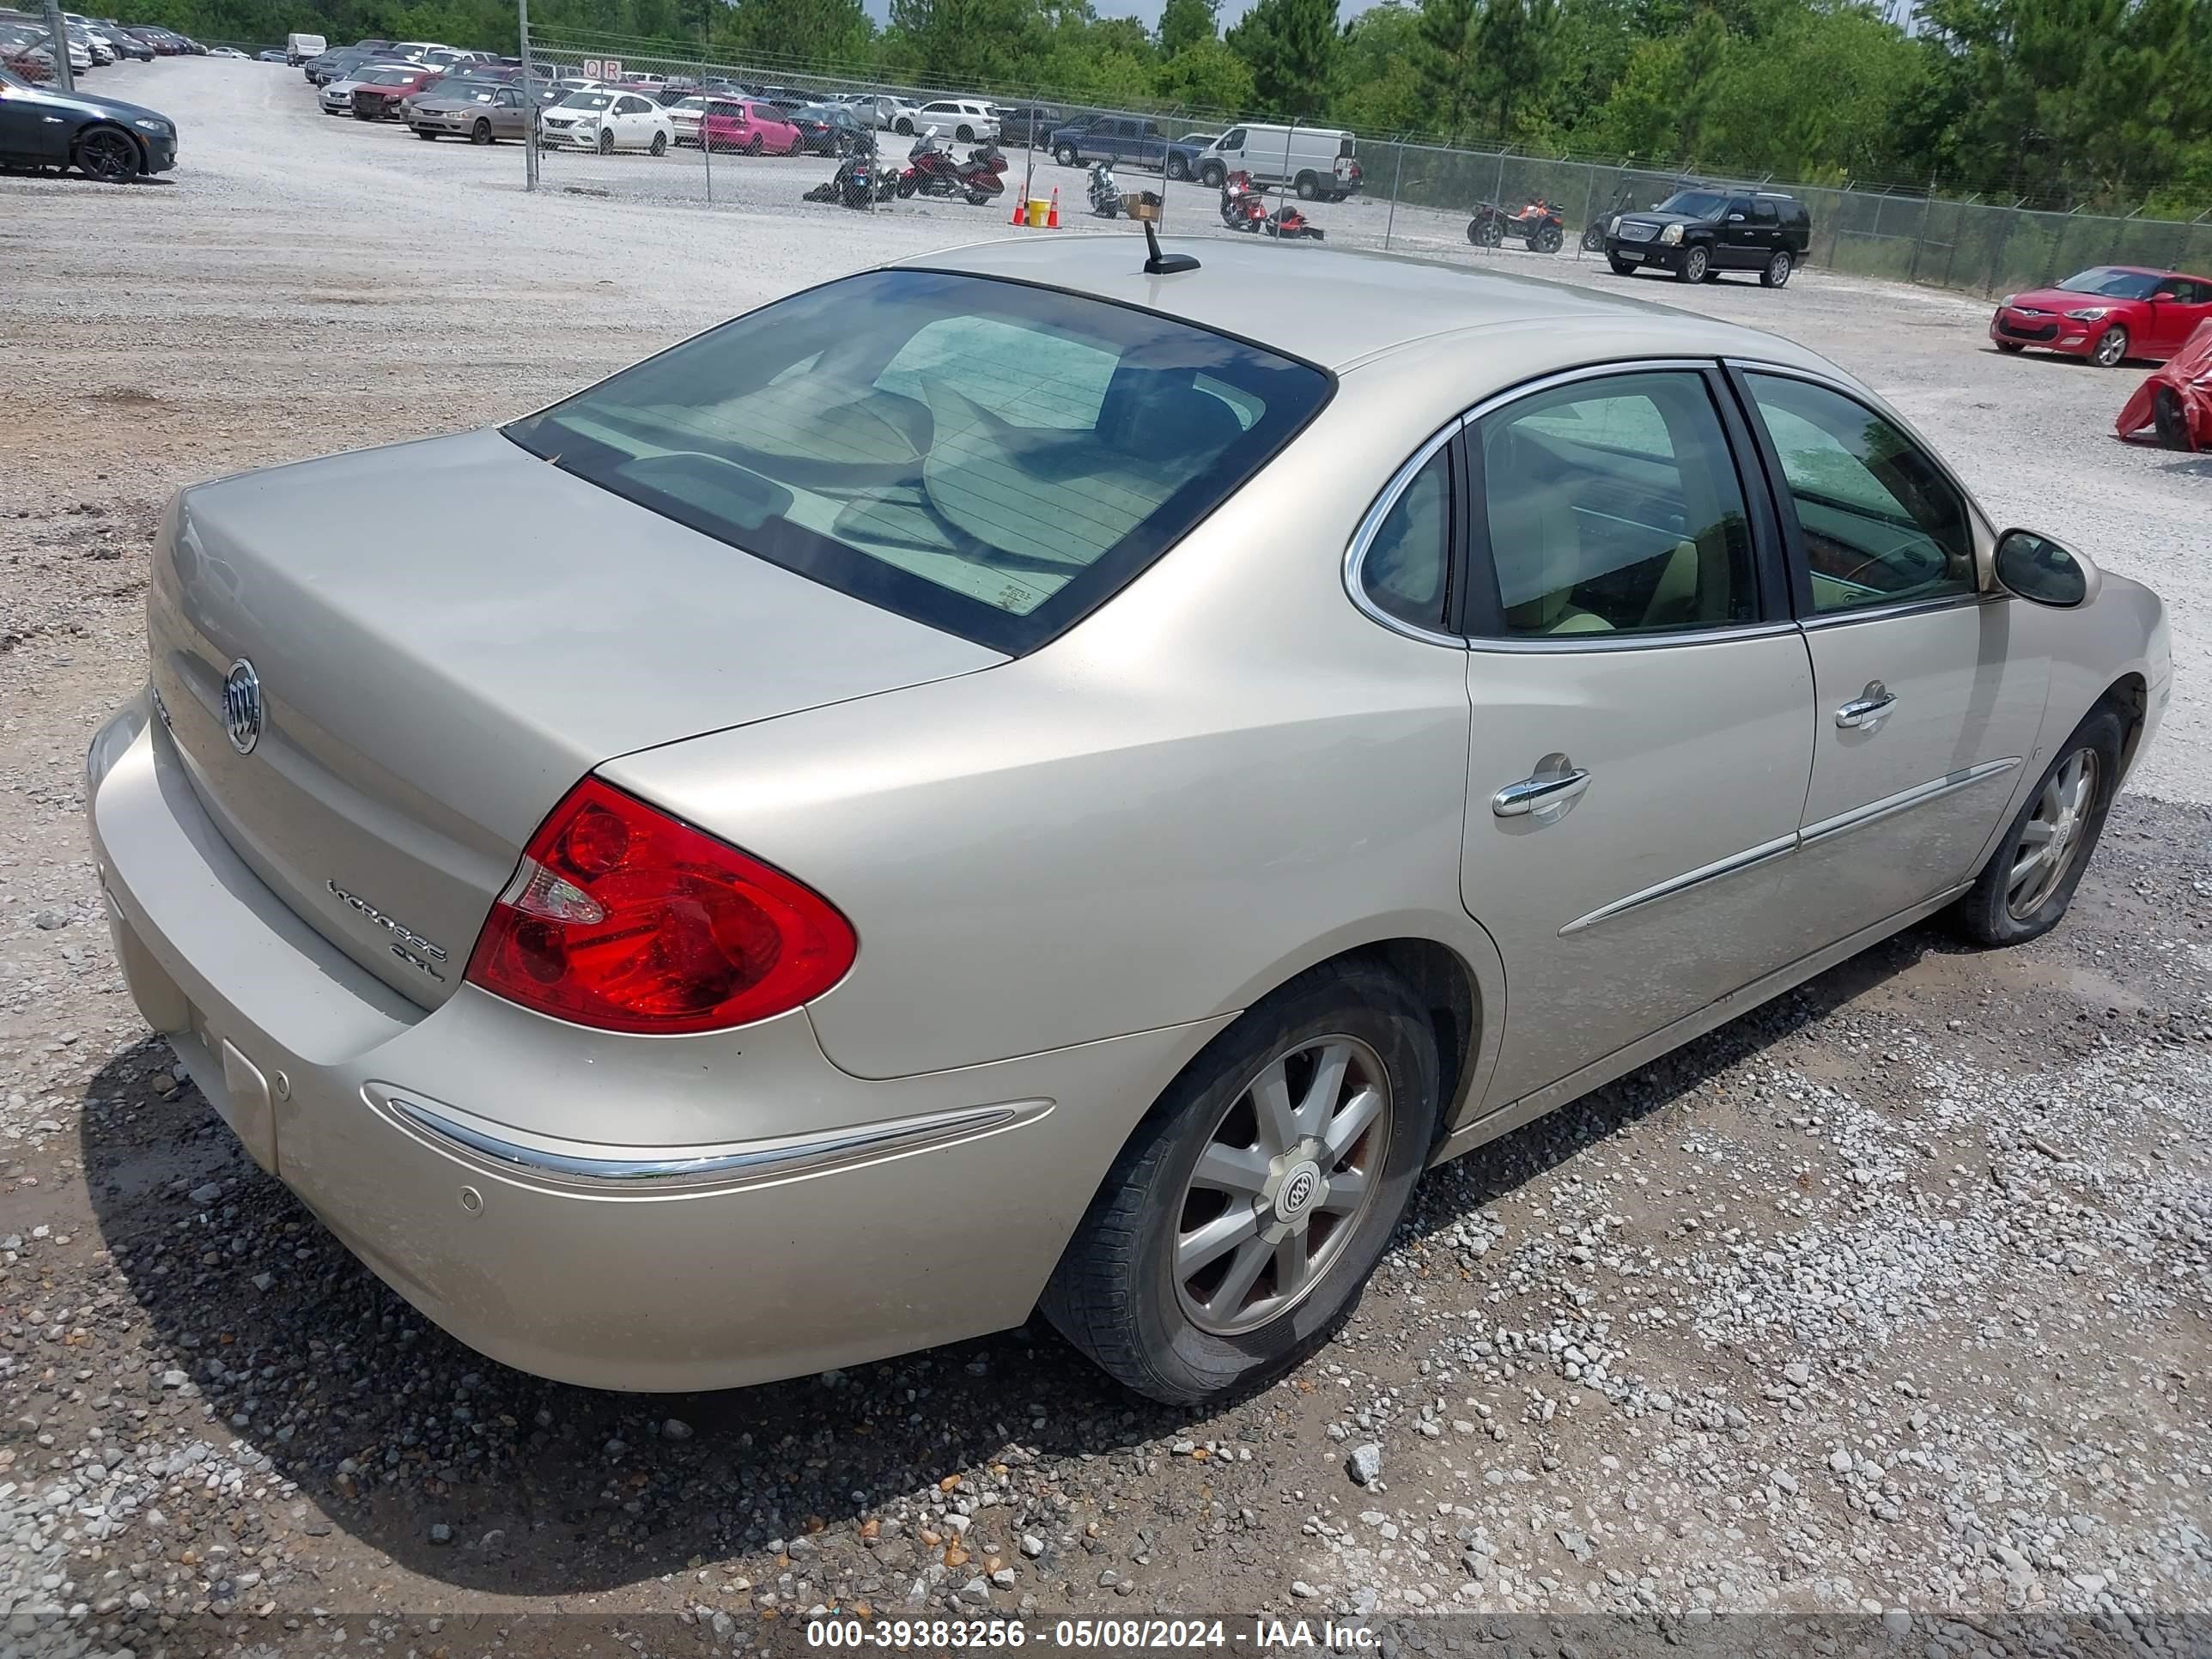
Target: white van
<point>1317,161</point>
<point>299,48</point>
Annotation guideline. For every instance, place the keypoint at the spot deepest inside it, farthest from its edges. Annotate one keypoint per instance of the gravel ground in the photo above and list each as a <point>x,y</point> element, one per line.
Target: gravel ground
<point>1887,1301</point>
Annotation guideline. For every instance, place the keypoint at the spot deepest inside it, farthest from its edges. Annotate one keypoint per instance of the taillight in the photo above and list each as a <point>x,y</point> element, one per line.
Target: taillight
<point>626,919</point>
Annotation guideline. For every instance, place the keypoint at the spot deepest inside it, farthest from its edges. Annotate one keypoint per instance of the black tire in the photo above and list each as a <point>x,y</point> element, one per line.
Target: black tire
<point>2112,348</point>
<point>758,145</point>
<point>1067,156</point>
<point>480,133</point>
<point>659,145</point>
<point>1779,264</point>
<point>1210,175</point>
<point>606,142</point>
<point>1548,239</point>
<point>1594,238</point>
<point>903,127</point>
<point>420,133</point>
<point>977,197</point>
<point>1985,912</point>
<point>1486,233</point>
<point>2010,346</point>
<point>1621,267</point>
<point>1697,265</point>
<point>1178,168</point>
<point>964,133</point>
<point>1306,187</point>
<point>1114,1294</point>
<point>905,187</point>
<point>2171,419</point>
<point>107,154</point>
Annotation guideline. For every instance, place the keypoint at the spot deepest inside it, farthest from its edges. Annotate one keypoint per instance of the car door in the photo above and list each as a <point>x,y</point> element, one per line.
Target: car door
<point>507,113</point>
<point>1736,244</point>
<point>2176,308</point>
<point>1644,712</point>
<point>635,130</point>
<point>34,125</point>
<point>1926,707</point>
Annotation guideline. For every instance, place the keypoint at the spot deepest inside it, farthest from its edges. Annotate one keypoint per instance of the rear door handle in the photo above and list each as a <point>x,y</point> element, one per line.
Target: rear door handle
<point>1556,783</point>
<point>1867,709</point>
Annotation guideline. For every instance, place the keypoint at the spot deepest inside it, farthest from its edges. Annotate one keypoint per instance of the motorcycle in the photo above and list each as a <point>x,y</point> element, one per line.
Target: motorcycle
<point>859,182</point>
<point>1537,225</point>
<point>1105,195</point>
<point>984,174</point>
<point>931,171</point>
<point>1244,207</point>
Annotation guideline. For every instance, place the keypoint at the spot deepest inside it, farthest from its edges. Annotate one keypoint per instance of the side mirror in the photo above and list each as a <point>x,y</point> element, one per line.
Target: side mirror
<point>2037,567</point>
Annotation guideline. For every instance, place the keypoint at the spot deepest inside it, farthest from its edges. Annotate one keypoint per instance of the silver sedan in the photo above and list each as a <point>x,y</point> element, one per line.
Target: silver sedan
<point>1021,779</point>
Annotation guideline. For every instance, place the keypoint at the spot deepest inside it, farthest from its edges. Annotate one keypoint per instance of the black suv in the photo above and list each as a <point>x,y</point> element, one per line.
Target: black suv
<point>1698,233</point>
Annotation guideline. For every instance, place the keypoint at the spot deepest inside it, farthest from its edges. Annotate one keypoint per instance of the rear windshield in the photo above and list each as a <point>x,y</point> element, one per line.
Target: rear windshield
<point>985,457</point>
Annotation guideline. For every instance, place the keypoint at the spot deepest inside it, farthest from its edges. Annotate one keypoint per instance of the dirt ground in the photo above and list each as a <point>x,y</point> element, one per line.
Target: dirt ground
<point>1887,1302</point>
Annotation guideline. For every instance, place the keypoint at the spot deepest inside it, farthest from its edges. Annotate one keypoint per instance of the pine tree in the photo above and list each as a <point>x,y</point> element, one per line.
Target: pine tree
<point>1448,60</point>
<point>1291,47</point>
<point>1187,23</point>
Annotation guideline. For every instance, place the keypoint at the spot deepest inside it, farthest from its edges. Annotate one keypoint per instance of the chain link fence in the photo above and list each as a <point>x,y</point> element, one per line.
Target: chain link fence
<point>1415,197</point>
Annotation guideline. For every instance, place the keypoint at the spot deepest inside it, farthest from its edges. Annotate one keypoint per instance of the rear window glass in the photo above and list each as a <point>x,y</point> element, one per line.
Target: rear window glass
<point>985,457</point>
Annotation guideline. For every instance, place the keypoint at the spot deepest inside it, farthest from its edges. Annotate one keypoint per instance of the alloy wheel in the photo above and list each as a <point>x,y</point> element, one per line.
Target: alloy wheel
<point>108,155</point>
<point>2111,347</point>
<point>2052,839</point>
<point>1286,1178</point>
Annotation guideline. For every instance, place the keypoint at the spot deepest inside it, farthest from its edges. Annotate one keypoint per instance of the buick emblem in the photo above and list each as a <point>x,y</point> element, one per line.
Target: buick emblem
<point>241,707</point>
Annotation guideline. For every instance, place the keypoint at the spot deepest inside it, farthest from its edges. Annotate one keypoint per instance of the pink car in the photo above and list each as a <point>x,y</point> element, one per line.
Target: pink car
<point>735,123</point>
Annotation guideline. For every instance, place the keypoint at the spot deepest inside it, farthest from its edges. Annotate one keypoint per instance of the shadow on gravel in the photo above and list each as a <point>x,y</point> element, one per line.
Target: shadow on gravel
<point>392,1429</point>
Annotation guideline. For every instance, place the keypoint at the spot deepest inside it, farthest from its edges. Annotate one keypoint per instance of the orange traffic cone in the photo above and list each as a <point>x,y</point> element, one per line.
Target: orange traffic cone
<point>1052,219</point>
<point>1019,208</point>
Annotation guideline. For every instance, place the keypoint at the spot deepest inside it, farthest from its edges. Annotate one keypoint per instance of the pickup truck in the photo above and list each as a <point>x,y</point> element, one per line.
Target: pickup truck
<point>1126,138</point>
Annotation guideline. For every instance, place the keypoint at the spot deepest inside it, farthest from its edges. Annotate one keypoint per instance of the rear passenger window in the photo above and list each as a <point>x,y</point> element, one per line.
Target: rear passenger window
<point>1612,506</point>
<point>1403,570</point>
<point>1762,212</point>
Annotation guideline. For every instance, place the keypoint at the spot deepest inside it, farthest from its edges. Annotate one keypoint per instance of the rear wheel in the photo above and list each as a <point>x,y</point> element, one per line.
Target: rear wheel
<point>1547,240</point>
<point>1066,156</point>
<point>2028,883</point>
<point>480,133</point>
<point>2171,419</point>
<point>1594,238</point>
<point>758,145</point>
<point>1307,188</point>
<point>1778,267</point>
<point>108,154</point>
<point>1238,1226</point>
<point>2112,348</point>
<point>903,127</point>
<point>659,143</point>
<point>1178,168</point>
<point>1697,265</point>
<point>964,133</point>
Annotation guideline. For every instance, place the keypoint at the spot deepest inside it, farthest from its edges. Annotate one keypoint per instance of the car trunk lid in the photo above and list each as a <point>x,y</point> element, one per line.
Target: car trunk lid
<point>446,635</point>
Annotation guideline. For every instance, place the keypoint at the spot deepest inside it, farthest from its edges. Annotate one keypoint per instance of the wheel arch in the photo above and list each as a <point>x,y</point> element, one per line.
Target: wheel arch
<point>103,124</point>
<point>2130,695</point>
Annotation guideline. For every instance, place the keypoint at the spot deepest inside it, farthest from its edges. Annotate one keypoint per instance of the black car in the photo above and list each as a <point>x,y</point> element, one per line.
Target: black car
<point>1029,125</point>
<point>101,137</point>
<point>827,129</point>
<point>1698,233</point>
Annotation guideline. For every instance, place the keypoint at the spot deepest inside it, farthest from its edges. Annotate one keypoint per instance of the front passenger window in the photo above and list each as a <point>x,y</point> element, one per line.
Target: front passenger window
<point>1612,506</point>
<point>1880,523</point>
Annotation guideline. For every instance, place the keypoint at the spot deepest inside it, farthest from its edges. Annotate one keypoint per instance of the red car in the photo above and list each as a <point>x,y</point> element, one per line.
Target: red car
<point>2107,314</point>
<point>733,124</point>
<point>2176,401</point>
<point>380,99</point>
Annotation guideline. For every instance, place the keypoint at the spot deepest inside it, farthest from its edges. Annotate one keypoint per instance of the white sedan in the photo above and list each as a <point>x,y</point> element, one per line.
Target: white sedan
<point>607,121</point>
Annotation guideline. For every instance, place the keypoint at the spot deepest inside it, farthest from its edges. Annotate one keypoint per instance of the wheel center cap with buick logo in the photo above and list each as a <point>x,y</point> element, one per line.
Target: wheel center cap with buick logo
<point>1297,1192</point>
<point>241,706</point>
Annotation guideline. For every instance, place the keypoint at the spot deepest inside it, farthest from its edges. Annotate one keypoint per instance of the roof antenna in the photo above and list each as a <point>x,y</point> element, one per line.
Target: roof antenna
<point>1144,207</point>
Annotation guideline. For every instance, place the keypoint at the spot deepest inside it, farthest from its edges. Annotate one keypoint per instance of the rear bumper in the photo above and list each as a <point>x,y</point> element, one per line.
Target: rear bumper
<point>618,1212</point>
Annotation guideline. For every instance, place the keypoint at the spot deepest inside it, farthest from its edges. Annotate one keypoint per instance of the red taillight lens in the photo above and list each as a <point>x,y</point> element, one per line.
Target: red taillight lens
<point>624,918</point>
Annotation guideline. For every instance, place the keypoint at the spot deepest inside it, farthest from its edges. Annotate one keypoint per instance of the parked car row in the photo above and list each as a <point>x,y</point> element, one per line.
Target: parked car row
<point>26,45</point>
<point>42,126</point>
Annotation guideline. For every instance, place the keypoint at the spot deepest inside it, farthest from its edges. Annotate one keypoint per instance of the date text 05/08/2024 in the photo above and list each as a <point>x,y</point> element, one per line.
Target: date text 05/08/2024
<point>947,1635</point>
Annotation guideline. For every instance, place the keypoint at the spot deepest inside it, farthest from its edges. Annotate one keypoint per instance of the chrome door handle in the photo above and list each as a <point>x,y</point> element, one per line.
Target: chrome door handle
<point>1556,782</point>
<point>1869,708</point>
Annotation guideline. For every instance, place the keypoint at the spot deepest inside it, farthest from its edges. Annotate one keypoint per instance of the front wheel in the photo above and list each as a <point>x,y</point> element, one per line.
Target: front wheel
<point>1697,265</point>
<point>2111,350</point>
<point>2028,883</point>
<point>107,154</point>
<point>606,142</point>
<point>1238,1226</point>
<point>1211,174</point>
<point>1178,168</point>
<point>2010,346</point>
<point>2171,419</point>
<point>659,146</point>
<point>1548,239</point>
<point>1621,267</point>
<point>1066,156</point>
<point>480,133</point>
<point>420,133</point>
<point>1778,267</point>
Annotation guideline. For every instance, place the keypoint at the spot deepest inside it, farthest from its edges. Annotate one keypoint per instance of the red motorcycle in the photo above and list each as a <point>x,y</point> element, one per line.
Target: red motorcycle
<point>1538,225</point>
<point>931,171</point>
<point>1244,207</point>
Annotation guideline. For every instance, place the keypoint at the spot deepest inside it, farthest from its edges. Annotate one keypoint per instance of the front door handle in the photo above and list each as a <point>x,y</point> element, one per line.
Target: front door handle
<point>1546,794</point>
<point>1867,709</point>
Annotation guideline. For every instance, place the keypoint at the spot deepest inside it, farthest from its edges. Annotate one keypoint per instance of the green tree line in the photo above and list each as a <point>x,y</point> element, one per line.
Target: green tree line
<point>2063,102</point>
